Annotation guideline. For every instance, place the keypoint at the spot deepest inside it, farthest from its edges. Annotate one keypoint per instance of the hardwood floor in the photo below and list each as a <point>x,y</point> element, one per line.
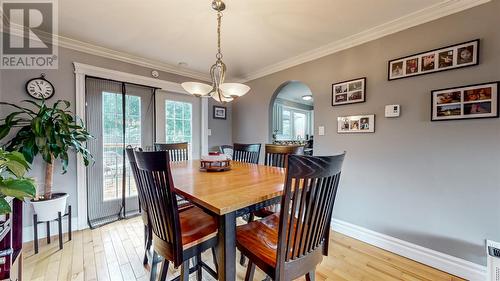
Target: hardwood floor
<point>114,252</point>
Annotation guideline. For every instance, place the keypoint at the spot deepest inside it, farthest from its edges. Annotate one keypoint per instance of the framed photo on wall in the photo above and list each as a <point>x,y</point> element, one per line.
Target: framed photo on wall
<point>465,102</point>
<point>347,92</point>
<point>219,112</point>
<point>442,59</point>
<point>356,124</point>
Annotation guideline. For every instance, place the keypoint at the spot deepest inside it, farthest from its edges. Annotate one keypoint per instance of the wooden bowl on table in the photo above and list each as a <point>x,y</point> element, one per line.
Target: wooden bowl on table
<point>215,162</point>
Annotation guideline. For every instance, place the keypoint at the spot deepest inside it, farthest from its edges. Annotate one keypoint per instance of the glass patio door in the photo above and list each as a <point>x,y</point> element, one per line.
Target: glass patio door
<point>118,115</point>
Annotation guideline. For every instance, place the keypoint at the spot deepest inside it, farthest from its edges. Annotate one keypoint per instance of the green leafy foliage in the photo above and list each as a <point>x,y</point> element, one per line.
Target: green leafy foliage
<point>13,167</point>
<point>46,130</point>
<point>41,129</point>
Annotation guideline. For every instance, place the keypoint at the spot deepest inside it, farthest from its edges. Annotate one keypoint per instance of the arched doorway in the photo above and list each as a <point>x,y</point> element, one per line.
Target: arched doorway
<point>291,112</point>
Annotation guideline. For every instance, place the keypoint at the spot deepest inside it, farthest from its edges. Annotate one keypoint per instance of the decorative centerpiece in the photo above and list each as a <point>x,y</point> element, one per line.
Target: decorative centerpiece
<point>215,162</point>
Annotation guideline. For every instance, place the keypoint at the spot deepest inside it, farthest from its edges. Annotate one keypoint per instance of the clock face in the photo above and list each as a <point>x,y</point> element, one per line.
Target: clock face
<point>40,88</point>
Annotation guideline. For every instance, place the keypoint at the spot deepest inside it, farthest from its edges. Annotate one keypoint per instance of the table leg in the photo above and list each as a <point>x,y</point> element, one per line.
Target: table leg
<point>227,247</point>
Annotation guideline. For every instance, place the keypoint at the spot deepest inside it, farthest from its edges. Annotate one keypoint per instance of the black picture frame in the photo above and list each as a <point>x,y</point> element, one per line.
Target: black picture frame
<point>348,91</point>
<point>459,96</point>
<point>219,112</point>
<point>455,64</point>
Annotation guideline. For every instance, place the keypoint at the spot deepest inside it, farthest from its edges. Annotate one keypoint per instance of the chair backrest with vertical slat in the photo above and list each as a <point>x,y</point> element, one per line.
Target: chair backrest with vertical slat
<point>226,149</point>
<point>275,155</point>
<point>177,151</point>
<point>306,211</point>
<point>248,153</point>
<point>138,180</point>
<point>161,201</point>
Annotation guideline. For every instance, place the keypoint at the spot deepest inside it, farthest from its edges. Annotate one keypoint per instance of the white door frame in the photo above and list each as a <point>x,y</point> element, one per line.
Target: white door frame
<point>83,70</point>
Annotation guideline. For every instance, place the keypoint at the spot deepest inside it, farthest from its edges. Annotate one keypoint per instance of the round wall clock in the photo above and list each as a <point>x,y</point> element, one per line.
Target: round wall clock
<point>40,88</point>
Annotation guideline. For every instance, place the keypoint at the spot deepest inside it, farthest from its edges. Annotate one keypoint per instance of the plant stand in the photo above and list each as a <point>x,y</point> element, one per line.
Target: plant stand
<point>59,223</point>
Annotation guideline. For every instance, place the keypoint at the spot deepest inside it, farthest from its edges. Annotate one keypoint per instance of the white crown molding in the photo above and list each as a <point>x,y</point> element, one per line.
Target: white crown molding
<point>447,263</point>
<point>92,49</point>
<point>419,17</point>
<point>128,58</point>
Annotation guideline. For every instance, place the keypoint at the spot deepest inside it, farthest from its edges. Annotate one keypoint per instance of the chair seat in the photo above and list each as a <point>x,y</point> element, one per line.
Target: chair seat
<point>262,213</point>
<point>196,226</point>
<point>183,204</point>
<point>258,241</point>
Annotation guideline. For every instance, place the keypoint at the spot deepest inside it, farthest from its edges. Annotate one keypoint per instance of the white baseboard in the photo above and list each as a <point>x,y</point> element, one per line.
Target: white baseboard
<point>453,265</point>
<point>42,229</point>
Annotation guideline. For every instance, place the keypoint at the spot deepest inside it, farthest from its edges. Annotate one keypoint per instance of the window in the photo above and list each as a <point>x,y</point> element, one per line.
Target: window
<point>178,120</point>
<point>112,132</point>
<point>296,124</point>
<point>287,128</point>
<point>299,125</point>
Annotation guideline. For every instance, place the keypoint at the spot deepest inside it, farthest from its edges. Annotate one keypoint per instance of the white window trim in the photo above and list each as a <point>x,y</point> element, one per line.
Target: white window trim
<point>190,151</point>
<point>83,70</point>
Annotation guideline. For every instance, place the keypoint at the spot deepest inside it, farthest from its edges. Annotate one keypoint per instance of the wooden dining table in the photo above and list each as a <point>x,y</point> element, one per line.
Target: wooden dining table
<point>227,195</point>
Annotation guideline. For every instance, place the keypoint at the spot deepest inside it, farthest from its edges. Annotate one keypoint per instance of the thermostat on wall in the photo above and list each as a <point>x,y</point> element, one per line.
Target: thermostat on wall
<point>392,110</point>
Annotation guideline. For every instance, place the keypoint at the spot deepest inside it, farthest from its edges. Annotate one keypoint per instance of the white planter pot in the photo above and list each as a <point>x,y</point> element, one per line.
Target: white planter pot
<point>47,210</point>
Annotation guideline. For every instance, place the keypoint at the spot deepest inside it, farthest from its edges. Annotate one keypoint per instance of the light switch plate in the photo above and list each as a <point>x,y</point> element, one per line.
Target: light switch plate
<point>209,132</point>
<point>321,130</point>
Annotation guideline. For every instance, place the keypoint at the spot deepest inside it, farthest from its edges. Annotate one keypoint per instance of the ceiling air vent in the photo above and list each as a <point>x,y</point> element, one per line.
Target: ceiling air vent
<point>493,249</point>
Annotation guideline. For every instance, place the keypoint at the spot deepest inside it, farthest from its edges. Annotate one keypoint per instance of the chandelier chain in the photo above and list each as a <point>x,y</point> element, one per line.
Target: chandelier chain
<point>220,91</point>
<point>219,52</point>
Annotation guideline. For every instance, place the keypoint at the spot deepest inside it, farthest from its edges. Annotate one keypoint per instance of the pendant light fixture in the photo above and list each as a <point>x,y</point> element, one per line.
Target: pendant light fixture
<point>219,91</point>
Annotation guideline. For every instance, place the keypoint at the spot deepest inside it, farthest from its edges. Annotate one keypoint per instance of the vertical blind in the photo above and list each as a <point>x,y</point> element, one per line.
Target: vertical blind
<point>118,114</point>
<point>277,119</point>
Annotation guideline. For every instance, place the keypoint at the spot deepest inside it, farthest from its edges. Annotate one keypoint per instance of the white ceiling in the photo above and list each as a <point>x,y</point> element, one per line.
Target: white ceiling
<point>256,34</point>
<point>294,91</point>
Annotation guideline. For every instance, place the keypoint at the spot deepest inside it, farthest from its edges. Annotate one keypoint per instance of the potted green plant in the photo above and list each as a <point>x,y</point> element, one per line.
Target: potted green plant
<point>49,131</point>
<point>13,167</point>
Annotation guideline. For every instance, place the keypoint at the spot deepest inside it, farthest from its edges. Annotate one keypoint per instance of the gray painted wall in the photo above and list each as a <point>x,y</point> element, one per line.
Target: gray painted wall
<point>12,90</point>
<point>435,184</point>
<point>221,129</point>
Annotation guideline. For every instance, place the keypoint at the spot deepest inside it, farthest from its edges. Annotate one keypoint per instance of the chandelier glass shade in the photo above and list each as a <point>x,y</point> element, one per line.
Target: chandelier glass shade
<point>219,91</point>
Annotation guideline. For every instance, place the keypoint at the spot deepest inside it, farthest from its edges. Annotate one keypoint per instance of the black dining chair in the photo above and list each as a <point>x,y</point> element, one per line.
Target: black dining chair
<point>177,151</point>
<point>248,153</point>
<point>292,243</point>
<point>177,235</point>
<point>276,156</point>
<point>148,236</point>
<point>227,150</point>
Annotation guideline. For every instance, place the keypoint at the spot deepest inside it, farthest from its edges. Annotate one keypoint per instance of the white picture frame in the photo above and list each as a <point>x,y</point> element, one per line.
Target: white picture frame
<point>357,124</point>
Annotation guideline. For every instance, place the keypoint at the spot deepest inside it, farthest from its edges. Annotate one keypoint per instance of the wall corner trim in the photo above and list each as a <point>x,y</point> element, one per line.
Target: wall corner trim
<point>453,265</point>
<point>433,12</point>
